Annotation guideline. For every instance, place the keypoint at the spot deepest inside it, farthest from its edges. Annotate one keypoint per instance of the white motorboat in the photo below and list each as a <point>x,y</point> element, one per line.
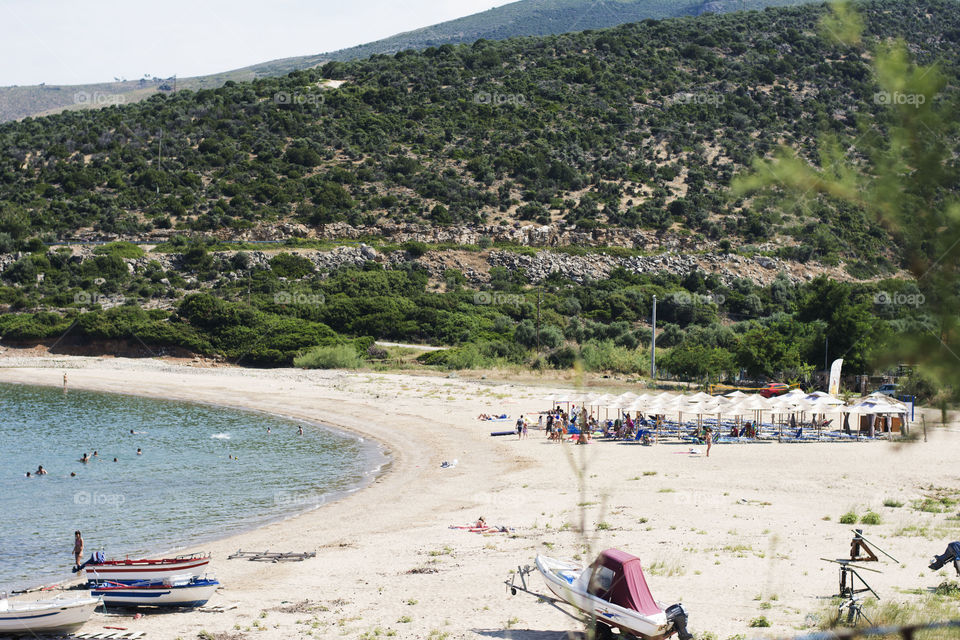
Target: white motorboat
<point>60,615</point>
<point>613,591</point>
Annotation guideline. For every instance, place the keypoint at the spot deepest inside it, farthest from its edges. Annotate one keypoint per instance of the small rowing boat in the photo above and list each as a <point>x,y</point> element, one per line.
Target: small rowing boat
<point>144,569</point>
<point>60,615</point>
<point>177,591</point>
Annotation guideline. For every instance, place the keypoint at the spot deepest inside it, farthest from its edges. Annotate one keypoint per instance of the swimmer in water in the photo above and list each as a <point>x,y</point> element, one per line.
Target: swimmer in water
<point>85,458</point>
<point>300,430</point>
<point>139,453</point>
<point>41,471</point>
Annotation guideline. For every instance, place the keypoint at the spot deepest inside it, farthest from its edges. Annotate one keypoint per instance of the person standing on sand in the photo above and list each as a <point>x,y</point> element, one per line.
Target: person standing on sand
<point>524,430</point>
<point>520,427</point>
<point>709,438</point>
<point>77,548</point>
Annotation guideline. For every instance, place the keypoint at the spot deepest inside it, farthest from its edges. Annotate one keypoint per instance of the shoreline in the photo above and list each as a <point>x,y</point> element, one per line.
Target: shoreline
<point>374,458</point>
<point>714,533</point>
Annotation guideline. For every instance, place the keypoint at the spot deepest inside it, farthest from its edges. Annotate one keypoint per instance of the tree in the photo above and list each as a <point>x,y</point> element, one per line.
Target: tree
<point>900,170</point>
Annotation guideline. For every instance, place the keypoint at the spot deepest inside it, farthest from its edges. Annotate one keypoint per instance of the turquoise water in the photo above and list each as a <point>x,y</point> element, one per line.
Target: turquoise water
<point>183,489</point>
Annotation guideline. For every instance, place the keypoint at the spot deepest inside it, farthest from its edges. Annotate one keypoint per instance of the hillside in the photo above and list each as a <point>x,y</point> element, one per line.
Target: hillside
<point>523,18</point>
<point>564,181</point>
<point>641,126</point>
<point>546,17</point>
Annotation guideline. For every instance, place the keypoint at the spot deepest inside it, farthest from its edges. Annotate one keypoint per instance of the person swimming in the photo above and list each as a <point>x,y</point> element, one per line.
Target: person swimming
<point>85,458</point>
<point>41,471</point>
<point>139,452</point>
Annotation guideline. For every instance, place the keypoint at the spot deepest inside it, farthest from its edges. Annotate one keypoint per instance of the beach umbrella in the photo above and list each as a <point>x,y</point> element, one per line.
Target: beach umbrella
<point>700,396</point>
<point>736,394</point>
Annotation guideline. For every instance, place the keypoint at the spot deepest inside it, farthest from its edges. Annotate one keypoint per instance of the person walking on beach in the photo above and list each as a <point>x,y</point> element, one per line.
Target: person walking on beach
<point>520,427</point>
<point>709,438</point>
<point>524,430</point>
<point>77,548</point>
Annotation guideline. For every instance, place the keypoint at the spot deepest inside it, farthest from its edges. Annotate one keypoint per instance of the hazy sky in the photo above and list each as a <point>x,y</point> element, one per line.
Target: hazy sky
<point>84,41</point>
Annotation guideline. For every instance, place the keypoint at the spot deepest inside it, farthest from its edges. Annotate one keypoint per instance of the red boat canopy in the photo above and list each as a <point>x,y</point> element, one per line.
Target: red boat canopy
<point>618,578</point>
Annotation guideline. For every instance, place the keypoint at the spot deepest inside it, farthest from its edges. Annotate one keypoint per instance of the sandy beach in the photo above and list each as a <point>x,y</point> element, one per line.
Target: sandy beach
<point>734,536</point>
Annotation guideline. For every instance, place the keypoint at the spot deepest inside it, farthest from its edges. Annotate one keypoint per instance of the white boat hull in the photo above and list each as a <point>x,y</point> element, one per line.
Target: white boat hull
<point>145,570</point>
<point>61,615</point>
<point>562,579</point>
<point>193,595</point>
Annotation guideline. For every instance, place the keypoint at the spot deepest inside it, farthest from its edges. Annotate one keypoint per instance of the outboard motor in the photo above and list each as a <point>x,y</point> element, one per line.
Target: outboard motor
<point>952,554</point>
<point>677,615</point>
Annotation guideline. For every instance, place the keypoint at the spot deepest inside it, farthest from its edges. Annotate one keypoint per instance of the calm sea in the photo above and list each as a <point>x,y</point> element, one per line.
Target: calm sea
<point>183,489</point>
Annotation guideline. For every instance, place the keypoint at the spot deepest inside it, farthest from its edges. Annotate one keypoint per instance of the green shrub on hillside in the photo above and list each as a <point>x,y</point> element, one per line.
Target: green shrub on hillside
<point>341,356</point>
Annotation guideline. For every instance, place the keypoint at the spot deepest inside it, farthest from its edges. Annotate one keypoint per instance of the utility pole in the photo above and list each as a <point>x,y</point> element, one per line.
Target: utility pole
<point>653,342</point>
<point>539,289</point>
<point>826,359</point>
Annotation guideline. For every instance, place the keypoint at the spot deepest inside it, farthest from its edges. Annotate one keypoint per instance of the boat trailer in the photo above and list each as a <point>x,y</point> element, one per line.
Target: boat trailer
<point>522,573</point>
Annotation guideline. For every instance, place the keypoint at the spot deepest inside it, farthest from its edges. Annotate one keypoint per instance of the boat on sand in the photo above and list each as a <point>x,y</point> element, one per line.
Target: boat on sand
<point>176,591</point>
<point>58,615</point>
<point>127,570</point>
<point>611,592</point>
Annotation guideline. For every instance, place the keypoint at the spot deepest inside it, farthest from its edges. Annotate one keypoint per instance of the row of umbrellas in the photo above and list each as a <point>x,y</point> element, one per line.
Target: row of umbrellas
<point>735,403</point>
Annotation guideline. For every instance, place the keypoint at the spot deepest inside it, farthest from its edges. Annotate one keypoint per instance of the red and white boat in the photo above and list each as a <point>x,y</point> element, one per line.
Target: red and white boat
<point>128,570</point>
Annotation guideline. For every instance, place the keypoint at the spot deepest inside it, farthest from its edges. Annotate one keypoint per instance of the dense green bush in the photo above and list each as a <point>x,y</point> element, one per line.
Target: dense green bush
<point>341,356</point>
<point>120,250</point>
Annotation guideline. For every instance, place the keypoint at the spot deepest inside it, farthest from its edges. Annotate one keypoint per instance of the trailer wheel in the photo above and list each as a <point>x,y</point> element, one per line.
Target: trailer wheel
<point>513,591</point>
<point>602,631</point>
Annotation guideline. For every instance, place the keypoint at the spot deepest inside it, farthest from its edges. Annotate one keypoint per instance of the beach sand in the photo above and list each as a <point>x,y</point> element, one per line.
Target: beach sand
<point>734,536</point>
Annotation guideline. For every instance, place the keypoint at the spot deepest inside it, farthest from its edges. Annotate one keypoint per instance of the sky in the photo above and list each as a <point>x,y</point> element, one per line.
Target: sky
<point>87,41</point>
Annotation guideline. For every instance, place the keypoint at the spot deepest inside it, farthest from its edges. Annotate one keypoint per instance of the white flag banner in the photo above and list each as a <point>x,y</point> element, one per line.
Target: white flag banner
<point>834,387</point>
